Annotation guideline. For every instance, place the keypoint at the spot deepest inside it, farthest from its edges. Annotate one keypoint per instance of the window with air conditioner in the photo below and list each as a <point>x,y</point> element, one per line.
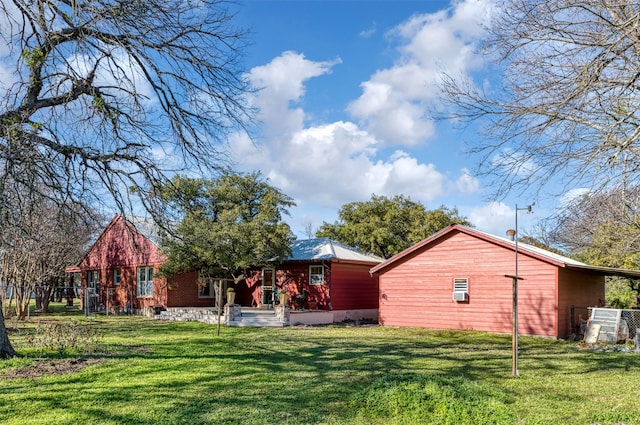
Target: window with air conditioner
<point>460,289</point>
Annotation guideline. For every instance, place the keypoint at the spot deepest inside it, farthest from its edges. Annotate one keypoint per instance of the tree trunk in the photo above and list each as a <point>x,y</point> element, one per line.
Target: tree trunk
<point>6,350</point>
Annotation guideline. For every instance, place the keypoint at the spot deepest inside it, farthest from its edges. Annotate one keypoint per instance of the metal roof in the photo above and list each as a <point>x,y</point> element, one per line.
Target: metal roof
<point>327,249</point>
<point>542,254</point>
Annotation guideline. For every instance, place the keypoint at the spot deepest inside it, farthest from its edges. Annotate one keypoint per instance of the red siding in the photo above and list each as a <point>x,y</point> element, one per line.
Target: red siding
<point>580,289</point>
<point>347,285</point>
<point>417,291</point>
<point>352,287</point>
<point>120,246</point>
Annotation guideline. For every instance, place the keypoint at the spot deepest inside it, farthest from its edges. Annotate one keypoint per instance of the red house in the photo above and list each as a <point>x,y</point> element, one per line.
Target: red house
<point>119,273</point>
<point>461,278</point>
<point>332,277</point>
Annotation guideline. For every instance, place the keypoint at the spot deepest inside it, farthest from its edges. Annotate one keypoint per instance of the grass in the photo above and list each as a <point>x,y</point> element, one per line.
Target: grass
<point>148,372</point>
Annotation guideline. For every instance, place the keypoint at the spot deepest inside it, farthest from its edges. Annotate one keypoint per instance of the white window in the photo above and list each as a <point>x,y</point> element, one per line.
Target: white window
<point>206,289</point>
<point>145,282</point>
<point>316,275</point>
<point>93,280</point>
<point>461,289</point>
<point>116,277</point>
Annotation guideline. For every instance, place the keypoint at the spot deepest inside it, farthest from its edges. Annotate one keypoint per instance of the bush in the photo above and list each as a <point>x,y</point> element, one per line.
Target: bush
<point>619,294</point>
<point>62,337</point>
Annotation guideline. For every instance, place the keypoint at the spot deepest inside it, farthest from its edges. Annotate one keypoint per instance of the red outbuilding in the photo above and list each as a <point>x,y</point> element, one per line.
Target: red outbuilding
<point>461,278</point>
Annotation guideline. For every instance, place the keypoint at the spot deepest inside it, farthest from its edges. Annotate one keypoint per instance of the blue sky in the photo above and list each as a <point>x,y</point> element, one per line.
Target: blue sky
<point>345,90</point>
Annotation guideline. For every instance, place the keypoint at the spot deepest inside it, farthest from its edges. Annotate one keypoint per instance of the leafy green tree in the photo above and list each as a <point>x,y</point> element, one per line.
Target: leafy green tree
<point>620,294</point>
<point>226,225</point>
<point>386,226</point>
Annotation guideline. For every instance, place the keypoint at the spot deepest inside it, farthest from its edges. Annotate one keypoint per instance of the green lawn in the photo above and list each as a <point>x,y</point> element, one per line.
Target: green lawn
<point>147,372</point>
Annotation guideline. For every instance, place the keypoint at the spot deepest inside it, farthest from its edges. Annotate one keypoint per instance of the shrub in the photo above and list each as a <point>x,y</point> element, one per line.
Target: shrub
<point>62,337</point>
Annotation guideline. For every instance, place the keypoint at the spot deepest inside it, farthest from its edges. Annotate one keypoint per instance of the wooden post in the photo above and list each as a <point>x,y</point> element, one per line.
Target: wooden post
<point>514,323</point>
<point>219,303</point>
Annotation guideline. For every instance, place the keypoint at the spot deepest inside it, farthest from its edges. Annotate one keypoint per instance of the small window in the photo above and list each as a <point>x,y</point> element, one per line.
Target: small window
<point>206,289</point>
<point>116,277</point>
<point>461,289</point>
<point>316,275</point>
<point>461,285</point>
<point>145,282</point>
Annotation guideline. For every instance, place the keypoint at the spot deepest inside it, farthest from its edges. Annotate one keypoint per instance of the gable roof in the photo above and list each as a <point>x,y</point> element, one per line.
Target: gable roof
<point>141,225</point>
<point>146,227</point>
<point>327,249</point>
<point>523,248</point>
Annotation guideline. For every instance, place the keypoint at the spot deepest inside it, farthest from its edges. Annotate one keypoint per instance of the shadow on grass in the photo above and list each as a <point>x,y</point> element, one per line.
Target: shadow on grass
<point>166,373</point>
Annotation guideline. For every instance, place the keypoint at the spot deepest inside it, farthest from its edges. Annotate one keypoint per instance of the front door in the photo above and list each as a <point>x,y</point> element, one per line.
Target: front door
<point>268,282</point>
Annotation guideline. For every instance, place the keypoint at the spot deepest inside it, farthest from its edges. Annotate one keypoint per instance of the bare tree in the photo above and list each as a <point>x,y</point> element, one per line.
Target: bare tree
<point>308,229</point>
<point>108,97</point>
<point>601,228</point>
<point>112,94</point>
<point>566,105</point>
<point>39,239</point>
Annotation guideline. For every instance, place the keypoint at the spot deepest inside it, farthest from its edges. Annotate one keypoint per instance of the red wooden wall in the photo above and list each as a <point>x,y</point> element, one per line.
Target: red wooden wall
<point>581,289</point>
<point>417,291</point>
<point>347,285</point>
<point>352,287</point>
<point>121,247</point>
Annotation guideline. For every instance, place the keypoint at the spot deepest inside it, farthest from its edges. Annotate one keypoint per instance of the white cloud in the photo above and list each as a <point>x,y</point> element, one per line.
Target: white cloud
<point>569,197</point>
<point>324,165</point>
<point>280,85</point>
<point>394,101</point>
<point>327,164</point>
<point>369,31</point>
<point>8,78</point>
<point>497,217</point>
<point>494,218</point>
<point>516,163</point>
<point>466,183</point>
<point>117,73</point>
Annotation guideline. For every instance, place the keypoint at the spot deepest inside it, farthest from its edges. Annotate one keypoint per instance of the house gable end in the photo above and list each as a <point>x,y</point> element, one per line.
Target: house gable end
<point>454,229</point>
<point>120,244</point>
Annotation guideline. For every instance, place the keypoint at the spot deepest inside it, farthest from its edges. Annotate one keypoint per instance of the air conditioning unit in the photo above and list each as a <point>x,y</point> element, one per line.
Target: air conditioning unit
<point>460,296</point>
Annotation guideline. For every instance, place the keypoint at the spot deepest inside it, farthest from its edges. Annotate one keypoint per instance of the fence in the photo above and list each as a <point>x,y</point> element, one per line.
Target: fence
<point>612,325</point>
<point>11,293</point>
<point>628,323</point>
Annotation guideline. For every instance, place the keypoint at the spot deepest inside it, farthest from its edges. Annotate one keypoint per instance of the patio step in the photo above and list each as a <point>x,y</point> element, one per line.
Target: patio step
<point>257,318</point>
<point>190,314</point>
<point>265,318</point>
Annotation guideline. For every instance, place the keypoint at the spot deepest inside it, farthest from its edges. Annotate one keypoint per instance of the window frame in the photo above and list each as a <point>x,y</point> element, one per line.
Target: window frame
<point>117,273</point>
<point>210,287</point>
<point>93,279</point>
<point>144,288</point>
<point>316,275</point>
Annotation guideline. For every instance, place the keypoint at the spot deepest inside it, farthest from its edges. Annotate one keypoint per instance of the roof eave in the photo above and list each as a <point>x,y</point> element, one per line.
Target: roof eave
<point>608,271</point>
